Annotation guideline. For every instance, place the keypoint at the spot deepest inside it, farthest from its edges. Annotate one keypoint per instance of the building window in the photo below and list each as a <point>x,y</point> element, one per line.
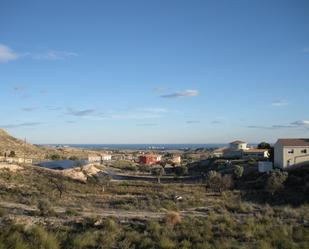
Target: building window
<point>304,151</point>
<point>290,151</point>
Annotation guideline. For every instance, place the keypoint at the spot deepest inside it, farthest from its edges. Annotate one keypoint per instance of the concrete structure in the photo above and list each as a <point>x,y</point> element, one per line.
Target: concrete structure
<point>255,154</point>
<point>289,152</point>
<point>218,152</point>
<point>238,145</point>
<point>149,159</point>
<point>265,166</point>
<point>94,158</point>
<point>235,149</point>
<point>18,160</point>
<point>106,157</point>
<point>99,158</point>
<point>176,159</point>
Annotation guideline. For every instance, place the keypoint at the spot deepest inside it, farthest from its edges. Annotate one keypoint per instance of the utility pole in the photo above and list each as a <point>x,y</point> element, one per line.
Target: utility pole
<point>25,150</point>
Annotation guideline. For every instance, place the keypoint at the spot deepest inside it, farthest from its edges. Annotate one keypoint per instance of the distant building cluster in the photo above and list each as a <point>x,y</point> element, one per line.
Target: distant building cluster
<point>99,158</point>
<point>287,152</point>
<point>150,159</point>
<point>18,160</point>
<point>240,149</point>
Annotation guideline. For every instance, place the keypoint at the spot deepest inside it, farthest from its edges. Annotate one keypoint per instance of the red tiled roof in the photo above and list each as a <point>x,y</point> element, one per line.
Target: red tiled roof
<point>255,150</point>
<point>238,142</point>
<point>294,141</point>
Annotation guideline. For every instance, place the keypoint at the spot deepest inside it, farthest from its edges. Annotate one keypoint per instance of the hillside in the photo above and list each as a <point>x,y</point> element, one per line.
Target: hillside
<point>9,143</point>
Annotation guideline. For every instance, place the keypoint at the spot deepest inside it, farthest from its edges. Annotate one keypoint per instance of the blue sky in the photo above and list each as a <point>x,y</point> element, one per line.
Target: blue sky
<point>167,71</point>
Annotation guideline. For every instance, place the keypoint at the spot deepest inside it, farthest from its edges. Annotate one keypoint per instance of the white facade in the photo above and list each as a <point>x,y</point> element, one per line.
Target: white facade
<point>235,149</point>
<point>238,145</point>
<point>106,157</point>
<point>94,158</point>
<point>18,160</point>
<point>289,152</point>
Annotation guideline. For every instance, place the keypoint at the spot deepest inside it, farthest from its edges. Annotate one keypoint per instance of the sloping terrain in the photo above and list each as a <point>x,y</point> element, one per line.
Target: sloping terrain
<point>21,148</point>
<point>9,143</point>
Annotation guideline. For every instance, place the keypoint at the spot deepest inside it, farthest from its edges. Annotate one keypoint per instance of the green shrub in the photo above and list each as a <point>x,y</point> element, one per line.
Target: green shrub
<point>71,212</point>
<point>238,171</point>
<point>39,238</point>
<point>275,181</point>
<point>45,208</point>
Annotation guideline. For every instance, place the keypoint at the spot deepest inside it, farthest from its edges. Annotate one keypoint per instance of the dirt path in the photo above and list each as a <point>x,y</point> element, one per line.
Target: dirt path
<point>21,209</point>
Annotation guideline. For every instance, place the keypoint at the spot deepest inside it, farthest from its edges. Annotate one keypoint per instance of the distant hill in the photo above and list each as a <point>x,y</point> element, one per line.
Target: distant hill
<point>9,143</point>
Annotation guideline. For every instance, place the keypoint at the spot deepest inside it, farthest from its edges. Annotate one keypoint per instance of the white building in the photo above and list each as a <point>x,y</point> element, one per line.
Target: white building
<point>106,157</point>
<point>99,158</point>
<point>176,159</point>
<point>235,149</point>
<point>94,159</point>
<point>18,160</point>
<point>292,151</point>
<point>238,145</point>
<point>255,153</point>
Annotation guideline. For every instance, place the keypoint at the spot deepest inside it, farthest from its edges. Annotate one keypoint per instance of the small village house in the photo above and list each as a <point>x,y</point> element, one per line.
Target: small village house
<point>218,153</point>
<point>94,158</point>
<point>235,149</point>
<point>291,152</point>
<point>99,158</point>
<point>149,159</point>
<point>175,159</point>
<point>18,160</point>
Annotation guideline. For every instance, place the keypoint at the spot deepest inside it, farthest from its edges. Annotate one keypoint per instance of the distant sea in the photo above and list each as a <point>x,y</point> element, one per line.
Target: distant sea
<point>142,146</point>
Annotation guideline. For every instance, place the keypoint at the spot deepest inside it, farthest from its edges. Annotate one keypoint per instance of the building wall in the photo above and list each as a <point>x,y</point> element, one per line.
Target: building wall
<point>149,159</point>
<point>242,146</point>
<point>107,157</point>
<point>94,159</point>
<point>232,153</point>
<point>255,155</point>
<point>278,155</point>
<point>284,157</point>
<point>297,157</point>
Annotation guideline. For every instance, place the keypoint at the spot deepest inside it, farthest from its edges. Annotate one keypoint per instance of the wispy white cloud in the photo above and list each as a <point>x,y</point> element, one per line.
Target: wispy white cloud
<point>306,50</point>
<point>81,112</point>
<point>136,113</point>
<point>54,55</point>
<point>7,54</point>
<point>160,89</point>
<point>301,123</point>
<point>193,121</point>
<point>54,108</point>
<point>29,109</point>
<point>279,103</point>
<point>295,124</point>
<point>28,124</point>
<point>186,93</point>
<point>18,88</point>
<point>148,124</point>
